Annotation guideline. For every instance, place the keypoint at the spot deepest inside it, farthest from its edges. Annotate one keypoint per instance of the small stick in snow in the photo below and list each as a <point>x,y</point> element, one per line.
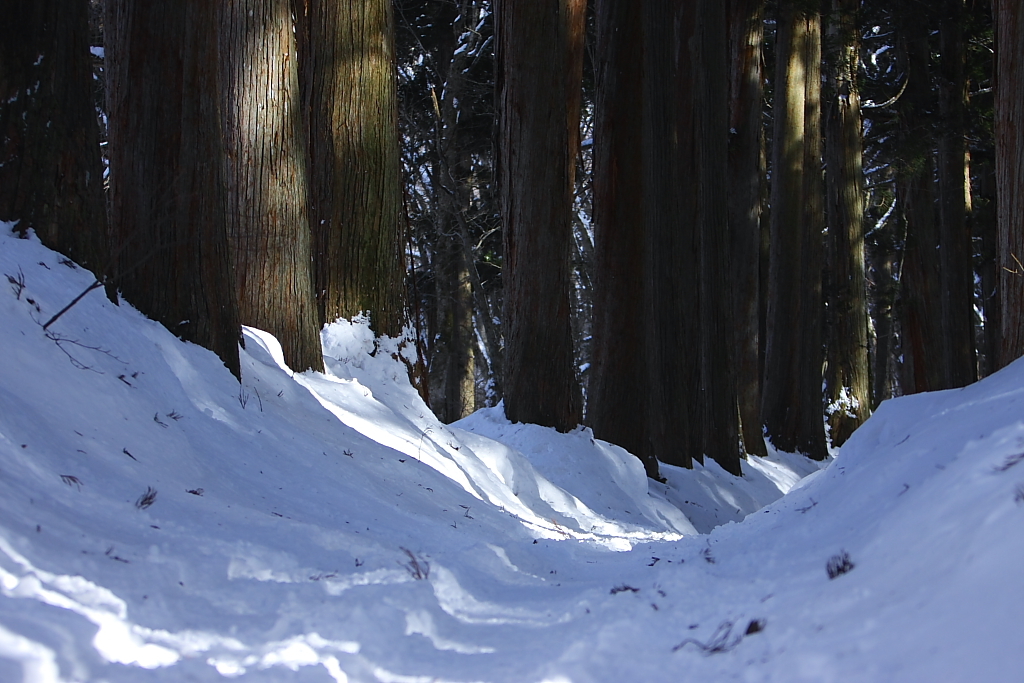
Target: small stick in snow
<point>146,499</point>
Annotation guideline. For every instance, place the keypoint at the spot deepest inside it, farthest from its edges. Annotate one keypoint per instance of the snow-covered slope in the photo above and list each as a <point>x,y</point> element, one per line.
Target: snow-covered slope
<point>160,522</point>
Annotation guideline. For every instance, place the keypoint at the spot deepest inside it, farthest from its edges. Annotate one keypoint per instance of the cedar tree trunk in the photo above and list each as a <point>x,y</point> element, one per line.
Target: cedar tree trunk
<point>268,192</point>
<point>792,384</point>
<point>538,99</point>
<point>347,76</point>
<point>847,377</point>
<point>168,196</point>
<point>619,404</point>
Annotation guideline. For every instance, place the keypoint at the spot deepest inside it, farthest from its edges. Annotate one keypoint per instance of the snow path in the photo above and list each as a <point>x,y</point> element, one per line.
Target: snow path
<point>159,522</point>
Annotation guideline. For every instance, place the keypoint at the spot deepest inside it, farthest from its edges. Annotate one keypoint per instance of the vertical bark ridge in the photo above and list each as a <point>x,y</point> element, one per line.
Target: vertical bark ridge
<point>167,184</point>
<point>792,385</point>
<point>847,376</point>
<point>538,83</point>
<point>266,170</point>
<point>619,407</point>
<point>356,209</point>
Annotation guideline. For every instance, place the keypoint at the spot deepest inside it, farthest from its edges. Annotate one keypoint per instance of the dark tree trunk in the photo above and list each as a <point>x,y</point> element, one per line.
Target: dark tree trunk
<point>51,179</point>
<point>658,208</point>
<point>1009,19</point>
<point>923,343</point>
<point>720,423</point>
<point>957,270</point>
<point>167,184</point>
<point>746,143</point>
<point>540,52</point>
<point>792,386</point>
<point>663,308</point>
<point>455,286</point>
<point>847,376</point>
<point>347,75</point>
<point>268,190</point>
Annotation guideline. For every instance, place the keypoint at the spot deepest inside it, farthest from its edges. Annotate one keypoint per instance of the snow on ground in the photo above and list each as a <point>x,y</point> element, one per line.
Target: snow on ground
<point>160,522</point>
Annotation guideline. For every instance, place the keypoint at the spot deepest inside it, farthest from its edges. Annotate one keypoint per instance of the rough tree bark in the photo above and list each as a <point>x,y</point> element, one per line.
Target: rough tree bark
<point>1009,18</point>
<point>51,178</point>
<point>167,185</point>
<point>457,342</point>
<point>268,190</point>
<point>665,415</point>
<point>746,171</point>
<point>720,419</point>
<point>540,56</point>
<point>347,75</point>
<point>847,375</point>
<point>792,385</point>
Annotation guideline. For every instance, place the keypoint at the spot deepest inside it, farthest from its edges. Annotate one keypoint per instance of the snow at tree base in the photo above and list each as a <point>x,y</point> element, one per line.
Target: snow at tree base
<point>159,522</point>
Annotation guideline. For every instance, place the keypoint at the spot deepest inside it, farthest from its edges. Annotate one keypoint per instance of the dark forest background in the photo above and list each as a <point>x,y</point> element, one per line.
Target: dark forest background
<point>688,225</point>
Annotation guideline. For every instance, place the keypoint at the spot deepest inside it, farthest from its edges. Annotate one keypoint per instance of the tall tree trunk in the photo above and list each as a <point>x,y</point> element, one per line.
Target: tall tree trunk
<point>1009,19</point>
<point>268,190</point>
<point>813,253</point>
<point>457,332</point>
<point>646,191</point>
<point>347,75</point>
<point>720,423</point>
<point>460,368</point>
<point>957,268</point>
<point>540,56</point>
<point>847,377</point>
<point>792,386</point>
<point>746,143</point>
<point>923,343</point>
<point>51,179</point>
<point>167,184</point>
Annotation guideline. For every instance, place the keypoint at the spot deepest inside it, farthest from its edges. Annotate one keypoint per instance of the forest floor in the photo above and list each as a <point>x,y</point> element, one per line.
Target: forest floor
<point>159,522</point>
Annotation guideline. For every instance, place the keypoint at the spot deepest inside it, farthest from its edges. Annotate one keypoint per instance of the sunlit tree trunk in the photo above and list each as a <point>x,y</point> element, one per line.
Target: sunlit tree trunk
<point>538,100</point>
<point>51,179</point>
<point>792,387</point>
<point>347,75</point>
<point>167,184</point>
<point>268,191</point>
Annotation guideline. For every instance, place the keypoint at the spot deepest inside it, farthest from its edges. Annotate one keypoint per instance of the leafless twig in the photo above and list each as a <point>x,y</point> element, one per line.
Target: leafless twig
<point>71,480</point>
<point>17,283</point>
<point>720,640</point>
<point>146,499</point>
<point>417,568</point>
